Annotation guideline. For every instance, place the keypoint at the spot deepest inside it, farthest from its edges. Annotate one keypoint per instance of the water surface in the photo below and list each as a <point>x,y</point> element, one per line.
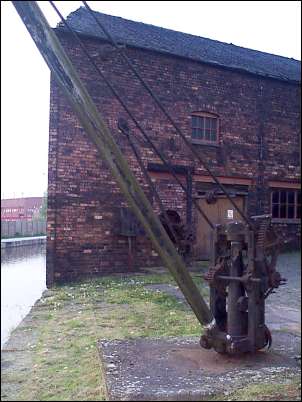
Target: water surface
<point>23,279</point>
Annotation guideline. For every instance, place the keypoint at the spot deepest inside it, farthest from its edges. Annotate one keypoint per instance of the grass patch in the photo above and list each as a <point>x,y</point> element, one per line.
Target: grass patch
<point>65,363</point>
<point>289,390</point>
<point>72,318</point>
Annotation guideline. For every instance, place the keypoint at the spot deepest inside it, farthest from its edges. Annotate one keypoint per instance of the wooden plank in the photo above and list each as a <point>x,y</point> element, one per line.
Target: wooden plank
<point>204,178</point>
<point>284,184</point>
<point>217,212</point>
<point>96,129</point>
<point>223,179</point>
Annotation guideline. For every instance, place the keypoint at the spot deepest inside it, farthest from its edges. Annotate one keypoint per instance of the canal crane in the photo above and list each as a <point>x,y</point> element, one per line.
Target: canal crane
<point>242,271</point>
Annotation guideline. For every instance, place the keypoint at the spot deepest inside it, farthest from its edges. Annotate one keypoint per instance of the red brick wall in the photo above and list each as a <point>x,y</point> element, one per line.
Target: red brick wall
<point>83,198</point>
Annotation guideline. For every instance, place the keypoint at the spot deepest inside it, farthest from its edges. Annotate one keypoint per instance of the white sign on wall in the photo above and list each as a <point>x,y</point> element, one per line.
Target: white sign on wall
<point>230,214</point>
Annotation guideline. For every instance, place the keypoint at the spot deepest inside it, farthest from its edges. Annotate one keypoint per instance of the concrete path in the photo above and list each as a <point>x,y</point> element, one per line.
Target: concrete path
<point>23,241</point>
<point>283,308</point>
<point>178,369</point>
<point>17,239</point>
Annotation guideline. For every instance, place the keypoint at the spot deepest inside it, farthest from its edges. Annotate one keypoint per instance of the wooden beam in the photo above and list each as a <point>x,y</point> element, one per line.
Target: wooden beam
<point>284,184</point>
<point>97,131</point>
<point>223,179</point>
<point>204,178</point>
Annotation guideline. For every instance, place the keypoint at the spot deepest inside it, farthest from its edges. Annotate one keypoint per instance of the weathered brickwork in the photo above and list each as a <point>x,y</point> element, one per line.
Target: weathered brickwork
<point>258,141</point>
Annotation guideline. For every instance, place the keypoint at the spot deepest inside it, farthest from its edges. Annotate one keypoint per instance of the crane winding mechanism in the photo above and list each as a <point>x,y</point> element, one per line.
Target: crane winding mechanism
<point>242,274</point>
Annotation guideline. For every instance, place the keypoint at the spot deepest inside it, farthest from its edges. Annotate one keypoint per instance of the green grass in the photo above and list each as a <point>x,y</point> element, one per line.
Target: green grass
<point>65,361</point>
<point>66,364</point>
<point>278,391</point>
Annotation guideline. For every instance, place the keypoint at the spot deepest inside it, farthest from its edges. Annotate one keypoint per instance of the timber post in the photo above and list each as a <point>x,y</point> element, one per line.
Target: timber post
<point>96,129</point>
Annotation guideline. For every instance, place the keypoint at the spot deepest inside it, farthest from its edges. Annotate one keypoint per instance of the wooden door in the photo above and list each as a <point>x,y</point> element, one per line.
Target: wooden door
<point>221,211</point>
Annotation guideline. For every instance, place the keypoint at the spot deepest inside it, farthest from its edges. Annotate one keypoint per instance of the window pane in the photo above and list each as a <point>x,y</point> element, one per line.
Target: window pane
<point>290,197</point>
<point>298,214</point>
<point>290,211</point>
<point>197,133</point>
<point>214,124</point>
<point>275,211</point>
<point>208,135</point>
<point>275,197</point>
<point>208,123</point>
<point>283,197</point>
<point>282,211</point>
<point>204,128</point>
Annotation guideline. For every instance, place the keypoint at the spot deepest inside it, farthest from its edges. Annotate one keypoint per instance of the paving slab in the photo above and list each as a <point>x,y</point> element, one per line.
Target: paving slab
<point>278,316</point>
<point>282,309</point>
<point>177,368</point>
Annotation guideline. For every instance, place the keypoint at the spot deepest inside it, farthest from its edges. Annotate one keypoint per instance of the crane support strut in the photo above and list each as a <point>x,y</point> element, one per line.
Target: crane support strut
<point>96,129</point>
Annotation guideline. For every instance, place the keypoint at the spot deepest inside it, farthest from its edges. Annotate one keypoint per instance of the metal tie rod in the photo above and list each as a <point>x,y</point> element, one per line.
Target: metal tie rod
<point>155,98</point>
<point>98,132</point>
<point>158,153</point>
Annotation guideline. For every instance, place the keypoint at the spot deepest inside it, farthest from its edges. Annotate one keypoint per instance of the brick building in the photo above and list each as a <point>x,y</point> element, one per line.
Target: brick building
<point>239,107</point>
<point>24,208</point>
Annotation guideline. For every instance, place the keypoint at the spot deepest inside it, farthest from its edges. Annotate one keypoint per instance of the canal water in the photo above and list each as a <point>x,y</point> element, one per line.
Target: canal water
<point>23,279</point>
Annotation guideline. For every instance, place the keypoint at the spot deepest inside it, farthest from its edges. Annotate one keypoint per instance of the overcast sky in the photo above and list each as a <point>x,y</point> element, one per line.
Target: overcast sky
<point>269,26</point>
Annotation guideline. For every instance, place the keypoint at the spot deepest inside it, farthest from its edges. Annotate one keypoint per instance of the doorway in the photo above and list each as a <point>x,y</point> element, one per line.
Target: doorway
<point>218,211</point>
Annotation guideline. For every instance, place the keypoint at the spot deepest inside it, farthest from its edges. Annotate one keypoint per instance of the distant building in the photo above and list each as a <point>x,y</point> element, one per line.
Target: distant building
<point>21,208</point>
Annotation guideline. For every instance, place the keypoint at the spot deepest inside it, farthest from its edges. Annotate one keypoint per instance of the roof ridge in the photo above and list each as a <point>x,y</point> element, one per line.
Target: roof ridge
<point>181,44</point>
<point>82,8</point>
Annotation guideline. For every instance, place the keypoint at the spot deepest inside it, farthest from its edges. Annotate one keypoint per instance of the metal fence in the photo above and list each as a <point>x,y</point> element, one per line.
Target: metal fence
<point>23,228</point>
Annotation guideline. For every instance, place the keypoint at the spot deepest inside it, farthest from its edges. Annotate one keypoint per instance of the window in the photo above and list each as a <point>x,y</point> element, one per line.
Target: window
<point>204,128</point>
<point>286,204</point>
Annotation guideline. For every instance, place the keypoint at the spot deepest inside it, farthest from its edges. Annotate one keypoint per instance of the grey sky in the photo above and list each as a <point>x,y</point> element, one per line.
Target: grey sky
<point>269,26</point>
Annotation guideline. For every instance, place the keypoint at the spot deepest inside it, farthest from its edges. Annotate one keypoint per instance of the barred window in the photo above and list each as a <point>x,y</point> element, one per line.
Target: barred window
<point>286,204</point>
<point>205,128</point>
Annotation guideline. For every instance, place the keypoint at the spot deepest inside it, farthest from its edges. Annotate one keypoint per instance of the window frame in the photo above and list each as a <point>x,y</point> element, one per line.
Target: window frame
<point>203,141</point>
<point>295,204</point>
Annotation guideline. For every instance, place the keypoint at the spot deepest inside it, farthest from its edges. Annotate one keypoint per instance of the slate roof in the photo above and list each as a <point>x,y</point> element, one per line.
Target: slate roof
<point>193,47</point>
